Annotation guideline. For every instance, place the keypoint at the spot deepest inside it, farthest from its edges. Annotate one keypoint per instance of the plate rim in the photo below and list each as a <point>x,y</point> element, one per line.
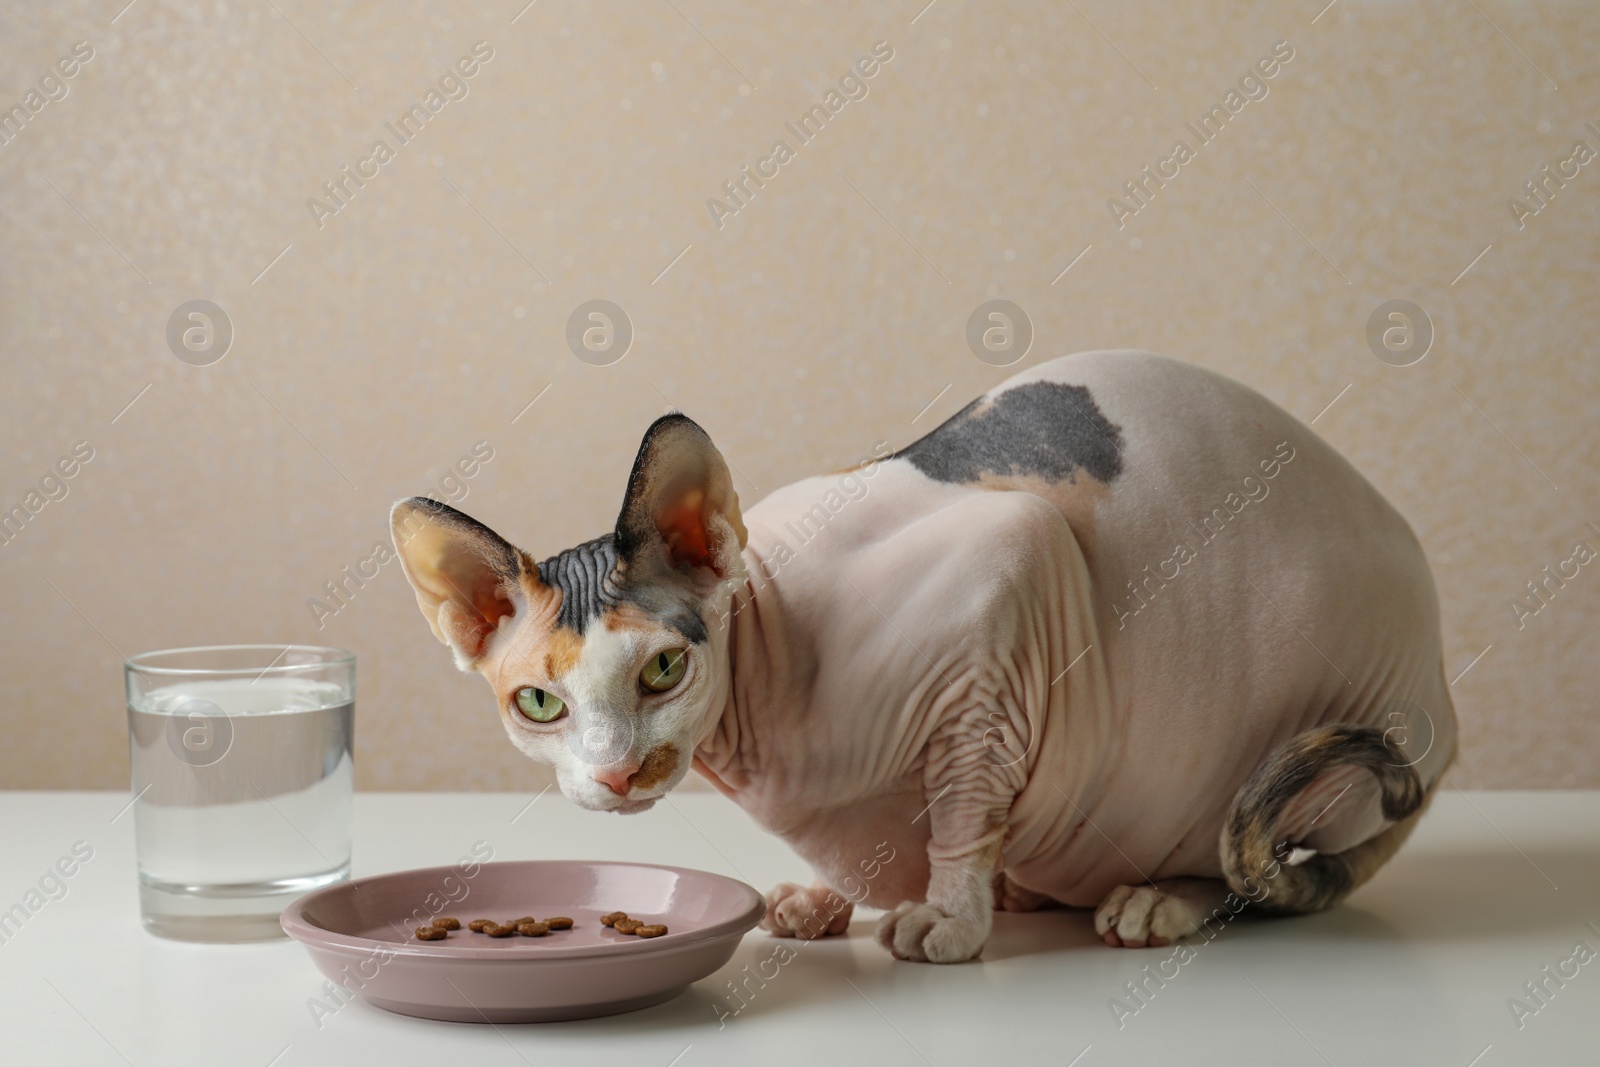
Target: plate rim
<point>299,928</point>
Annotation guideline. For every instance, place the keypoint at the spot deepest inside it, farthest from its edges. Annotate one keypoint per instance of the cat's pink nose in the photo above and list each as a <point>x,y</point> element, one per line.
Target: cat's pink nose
<point>618,780</point>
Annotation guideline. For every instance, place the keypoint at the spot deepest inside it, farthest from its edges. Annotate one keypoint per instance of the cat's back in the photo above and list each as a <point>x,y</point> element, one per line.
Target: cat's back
<point>1123,443</point>
<point>1212,523</point>
<point>1239,570</point>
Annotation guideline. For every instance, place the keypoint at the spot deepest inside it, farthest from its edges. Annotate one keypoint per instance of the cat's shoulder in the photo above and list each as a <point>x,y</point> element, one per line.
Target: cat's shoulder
<point>979,550</point>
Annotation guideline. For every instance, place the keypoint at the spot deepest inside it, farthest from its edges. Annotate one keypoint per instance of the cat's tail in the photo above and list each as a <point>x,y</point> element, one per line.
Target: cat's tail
<point>1256,837</point>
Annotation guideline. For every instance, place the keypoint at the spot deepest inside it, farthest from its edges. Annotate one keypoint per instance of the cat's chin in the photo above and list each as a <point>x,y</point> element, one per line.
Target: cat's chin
<point>618,805</point>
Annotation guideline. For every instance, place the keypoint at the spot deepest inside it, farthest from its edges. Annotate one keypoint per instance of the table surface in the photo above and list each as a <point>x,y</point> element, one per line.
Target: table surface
<point>1421,966</point>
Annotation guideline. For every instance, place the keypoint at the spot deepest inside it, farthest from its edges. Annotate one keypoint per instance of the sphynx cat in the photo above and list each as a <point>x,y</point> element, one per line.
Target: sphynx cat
<point>1119,634</point>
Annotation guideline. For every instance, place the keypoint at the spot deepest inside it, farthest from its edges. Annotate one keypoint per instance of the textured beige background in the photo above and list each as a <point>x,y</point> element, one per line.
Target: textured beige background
<point>826,315</point>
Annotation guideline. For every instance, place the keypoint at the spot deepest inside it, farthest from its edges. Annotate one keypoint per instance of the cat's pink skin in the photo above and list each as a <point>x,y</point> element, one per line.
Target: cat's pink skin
<point>903,676</point>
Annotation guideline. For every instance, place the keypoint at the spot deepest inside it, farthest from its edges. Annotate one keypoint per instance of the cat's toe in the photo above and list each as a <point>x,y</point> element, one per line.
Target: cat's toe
<point>1144,916</point>
<point>923,933</point>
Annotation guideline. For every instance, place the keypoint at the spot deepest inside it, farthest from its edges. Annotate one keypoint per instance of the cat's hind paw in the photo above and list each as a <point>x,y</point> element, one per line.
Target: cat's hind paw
<point>806,912</point>
<point>925,934</point>
<point>1139,916</point>
<point>1009,896</point>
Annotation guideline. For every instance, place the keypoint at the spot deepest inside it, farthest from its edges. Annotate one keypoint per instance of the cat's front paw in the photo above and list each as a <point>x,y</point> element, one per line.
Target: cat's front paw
<point>923,933</point>
<point>807,913</point>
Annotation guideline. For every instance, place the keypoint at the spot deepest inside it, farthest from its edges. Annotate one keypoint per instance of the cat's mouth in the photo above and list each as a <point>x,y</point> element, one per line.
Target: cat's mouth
<point>633,807</point>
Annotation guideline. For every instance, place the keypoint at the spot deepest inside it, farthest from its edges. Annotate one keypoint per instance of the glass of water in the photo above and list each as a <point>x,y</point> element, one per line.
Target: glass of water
<point>242,779</point>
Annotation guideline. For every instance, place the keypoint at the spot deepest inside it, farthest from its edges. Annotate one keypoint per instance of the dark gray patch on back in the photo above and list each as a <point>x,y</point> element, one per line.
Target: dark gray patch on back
<point>591,584</point>
<point>1044,429</point>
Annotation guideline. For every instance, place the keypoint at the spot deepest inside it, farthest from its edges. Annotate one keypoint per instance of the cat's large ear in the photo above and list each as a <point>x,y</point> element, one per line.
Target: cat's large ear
<point>680,515</point>
<point>468,579</point>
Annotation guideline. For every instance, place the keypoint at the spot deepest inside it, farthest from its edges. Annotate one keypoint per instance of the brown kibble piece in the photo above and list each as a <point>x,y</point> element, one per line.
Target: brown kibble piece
<point>611,920</point>
<point>478,926</point>
<point>499,931</point>
<point>626,926</point>
<point>652,930</point>
<point>446,923</point>
<point>431,933</point>
<point>534,929</point>
<point>560,922</point>
<point>524,919</point>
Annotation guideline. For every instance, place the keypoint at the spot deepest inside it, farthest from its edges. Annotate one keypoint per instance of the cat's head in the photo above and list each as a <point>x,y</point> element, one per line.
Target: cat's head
<point>607,661</point>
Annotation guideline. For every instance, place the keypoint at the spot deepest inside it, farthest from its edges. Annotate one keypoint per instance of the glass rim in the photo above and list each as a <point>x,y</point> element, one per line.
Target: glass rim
<point>336,657</point>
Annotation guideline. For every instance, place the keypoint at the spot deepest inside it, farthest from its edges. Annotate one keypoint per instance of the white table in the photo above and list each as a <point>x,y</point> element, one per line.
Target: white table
<point>1416,969</point>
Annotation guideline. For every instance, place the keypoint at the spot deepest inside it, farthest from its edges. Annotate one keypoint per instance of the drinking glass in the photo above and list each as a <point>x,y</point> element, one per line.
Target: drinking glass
<point>242,779</point>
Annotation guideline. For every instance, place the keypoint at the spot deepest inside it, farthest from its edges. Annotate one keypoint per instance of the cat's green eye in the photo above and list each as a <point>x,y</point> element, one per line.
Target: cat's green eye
<point>538,705</point>
<point>664,670</point>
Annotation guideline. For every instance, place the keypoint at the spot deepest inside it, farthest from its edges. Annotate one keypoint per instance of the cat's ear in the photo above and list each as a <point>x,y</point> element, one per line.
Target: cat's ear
<point>468,579</point>
<point>680,515</point>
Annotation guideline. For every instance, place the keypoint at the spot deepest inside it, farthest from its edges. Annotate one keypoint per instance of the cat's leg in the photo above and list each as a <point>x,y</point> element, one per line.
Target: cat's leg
<point>1155,914</point>
<point>951,925</point>
<point>806,912</point>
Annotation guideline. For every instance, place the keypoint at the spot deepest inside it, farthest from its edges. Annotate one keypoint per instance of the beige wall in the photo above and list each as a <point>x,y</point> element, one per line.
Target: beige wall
<point>826,315</point>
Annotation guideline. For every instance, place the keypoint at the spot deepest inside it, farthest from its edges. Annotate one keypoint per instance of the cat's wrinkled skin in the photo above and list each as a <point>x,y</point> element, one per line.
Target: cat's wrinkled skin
<point>1112,615</point>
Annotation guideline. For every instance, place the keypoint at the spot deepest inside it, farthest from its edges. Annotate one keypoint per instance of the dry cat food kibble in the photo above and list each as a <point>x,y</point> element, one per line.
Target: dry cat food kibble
<point>528,926</point>
<point>619,921</point>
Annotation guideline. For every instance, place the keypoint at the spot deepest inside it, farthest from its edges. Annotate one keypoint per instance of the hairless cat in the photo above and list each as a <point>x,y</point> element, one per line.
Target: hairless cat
<point>1119,634</point>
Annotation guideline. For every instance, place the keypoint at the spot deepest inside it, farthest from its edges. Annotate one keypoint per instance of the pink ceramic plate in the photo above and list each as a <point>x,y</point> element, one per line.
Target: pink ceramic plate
<point>360,934</point>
